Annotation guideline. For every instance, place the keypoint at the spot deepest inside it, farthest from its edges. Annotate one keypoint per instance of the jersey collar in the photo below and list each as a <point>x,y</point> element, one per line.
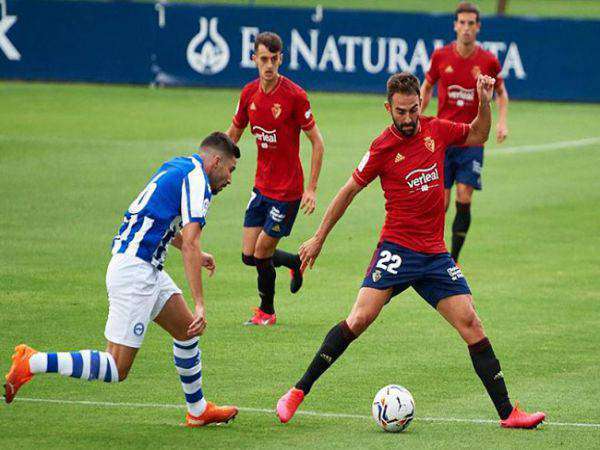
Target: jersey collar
<point>198,158</point>
<point>279,81</point>
<point>465,58</point>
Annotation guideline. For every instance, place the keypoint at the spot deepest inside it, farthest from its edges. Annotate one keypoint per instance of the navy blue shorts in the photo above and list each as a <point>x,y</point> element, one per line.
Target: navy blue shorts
<point>433,276</point>
<point>275,217</point>
<point>463,165</point>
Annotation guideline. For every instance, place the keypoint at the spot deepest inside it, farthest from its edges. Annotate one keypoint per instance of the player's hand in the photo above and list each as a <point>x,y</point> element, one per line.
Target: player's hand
<point>309,201</point>
<point>485,88</point>
<point>501,132</point>
<point>208,262</point>
<point>309,251</point>
<point>198,325</point>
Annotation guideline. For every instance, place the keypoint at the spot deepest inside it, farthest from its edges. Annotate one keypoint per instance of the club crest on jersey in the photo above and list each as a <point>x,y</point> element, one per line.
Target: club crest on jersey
<point>449,69</point>
<point>399,157</point>
<point>429,144</point>
<point>376,276</point>
<point>276,110</point>
<point>252,107</point>
<point>475,71</point>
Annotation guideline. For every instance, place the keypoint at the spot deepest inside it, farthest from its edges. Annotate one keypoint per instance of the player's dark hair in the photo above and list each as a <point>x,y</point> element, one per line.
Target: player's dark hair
<point>221,142</point>
<point>270,40</point>
<point>403,83</point>
<point>466,7</point>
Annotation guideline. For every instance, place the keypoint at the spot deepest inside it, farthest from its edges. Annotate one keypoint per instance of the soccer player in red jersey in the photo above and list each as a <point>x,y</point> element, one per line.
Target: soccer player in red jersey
<point>408,157</point>
<point>277,110</point>
<point>455,69</point>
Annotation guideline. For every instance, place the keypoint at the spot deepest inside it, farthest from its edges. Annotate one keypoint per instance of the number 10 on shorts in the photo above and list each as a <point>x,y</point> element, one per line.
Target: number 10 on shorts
<point>389,262</point>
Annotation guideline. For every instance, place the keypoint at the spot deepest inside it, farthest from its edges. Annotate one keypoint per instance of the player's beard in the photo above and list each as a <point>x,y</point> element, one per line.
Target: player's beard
<point>407,129</point>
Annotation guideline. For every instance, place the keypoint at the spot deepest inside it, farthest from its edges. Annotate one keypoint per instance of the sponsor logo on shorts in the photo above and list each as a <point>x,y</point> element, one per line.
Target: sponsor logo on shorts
<point>376,276</point>
<point>138,329</point>
<point>455,273</point>
<point>477,167</point>
<point>423,179</point>
<point>276,215</point>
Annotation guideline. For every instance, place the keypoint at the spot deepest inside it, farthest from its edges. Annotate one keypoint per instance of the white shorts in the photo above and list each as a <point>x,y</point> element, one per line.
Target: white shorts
<point>137,292</point>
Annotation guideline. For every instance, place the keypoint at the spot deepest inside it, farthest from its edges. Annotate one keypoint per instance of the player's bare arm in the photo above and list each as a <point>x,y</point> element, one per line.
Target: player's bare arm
<point>309,250</point>
<point>309,197</point>
<point>426,93</point>
<point>193,260</point>
<point>502,103</point>
<point>176,241</point>
<point>234,133</point>
<point>480,127</point>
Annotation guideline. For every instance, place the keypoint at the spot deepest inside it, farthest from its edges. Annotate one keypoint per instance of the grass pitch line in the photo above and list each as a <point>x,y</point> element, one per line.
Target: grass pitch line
<point>303,413</point>
<point>544,147</point>
<point>140,143</point>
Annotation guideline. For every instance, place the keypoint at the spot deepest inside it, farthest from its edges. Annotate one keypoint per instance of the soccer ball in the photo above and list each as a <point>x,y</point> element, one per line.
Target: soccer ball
<point>393,408</point>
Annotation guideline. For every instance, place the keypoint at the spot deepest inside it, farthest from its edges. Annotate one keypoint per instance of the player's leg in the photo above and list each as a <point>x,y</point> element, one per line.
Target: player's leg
<point>462,219</point>
<point>279,224</point>
<point>367,307</point>
<point>127,319</point>
<point>469,165</point>
<point>263,257</point>
<point>84,364</point>
<point>175,317</point>
<point>459,311</point>
<point>449,173</point>
<point>249,238</point>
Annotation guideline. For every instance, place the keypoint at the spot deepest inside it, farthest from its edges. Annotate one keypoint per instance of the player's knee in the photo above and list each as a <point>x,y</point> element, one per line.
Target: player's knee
<point>261,252</point>
<point>359,321</point>
<point>473,324</point>
<point>248,260</point>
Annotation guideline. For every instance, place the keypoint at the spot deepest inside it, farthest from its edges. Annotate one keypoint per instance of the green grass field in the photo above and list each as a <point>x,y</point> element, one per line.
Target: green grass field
<point>544,8</point>
<point>72,157</point>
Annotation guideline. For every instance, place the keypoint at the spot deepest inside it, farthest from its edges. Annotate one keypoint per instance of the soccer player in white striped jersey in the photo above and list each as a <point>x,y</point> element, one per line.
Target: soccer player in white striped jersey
<point>171,209</point>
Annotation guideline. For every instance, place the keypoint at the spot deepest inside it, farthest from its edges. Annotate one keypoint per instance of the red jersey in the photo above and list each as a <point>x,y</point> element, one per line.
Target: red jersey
<point>412,178</point>
<point>457,88</point>
<point>275,120</point>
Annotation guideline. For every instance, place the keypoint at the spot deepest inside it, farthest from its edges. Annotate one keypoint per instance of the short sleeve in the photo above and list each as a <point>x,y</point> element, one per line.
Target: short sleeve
<point>302,112</point>
<point>453,133</point>
<point>369,167</point>
<point>240,117</point>
<point>496,68</point>
<point>195,198</point>
<point>433,74</point>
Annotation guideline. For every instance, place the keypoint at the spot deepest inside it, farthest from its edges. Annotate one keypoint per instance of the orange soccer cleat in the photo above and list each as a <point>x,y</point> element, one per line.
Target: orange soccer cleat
<point>261,318</point>
<point>19,373</point>
<point>520,419</point>
<point>288,404</point>
<point>212,414</point>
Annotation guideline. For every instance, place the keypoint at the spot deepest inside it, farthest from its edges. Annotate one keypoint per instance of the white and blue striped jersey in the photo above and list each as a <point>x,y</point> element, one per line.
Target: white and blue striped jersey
<point>178,193</point>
